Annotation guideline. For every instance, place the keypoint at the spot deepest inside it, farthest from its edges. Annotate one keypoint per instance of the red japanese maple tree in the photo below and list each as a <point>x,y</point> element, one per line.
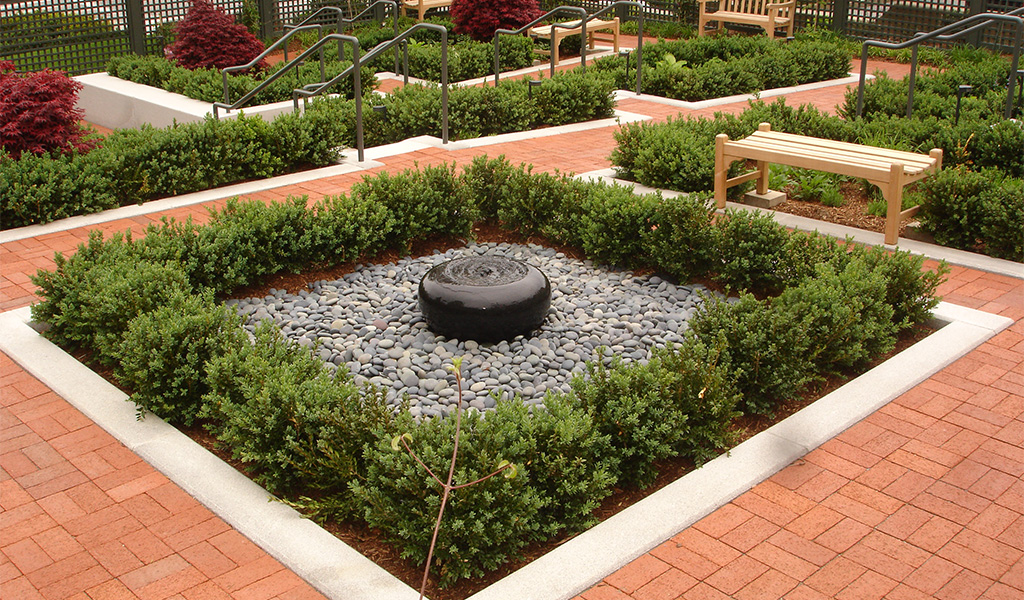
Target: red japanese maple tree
<point>479,19</point>
<point>209,37</point>
<point>38,114</point>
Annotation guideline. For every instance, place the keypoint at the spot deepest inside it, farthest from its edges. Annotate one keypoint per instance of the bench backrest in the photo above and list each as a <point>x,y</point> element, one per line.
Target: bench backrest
<point>750,7</point>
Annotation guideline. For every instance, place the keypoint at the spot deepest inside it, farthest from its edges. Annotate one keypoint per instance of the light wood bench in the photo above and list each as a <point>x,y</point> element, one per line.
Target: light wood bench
<point>769,15</point>
<point>422,6</point>
<point>890,170</point>
<point>556,34</point>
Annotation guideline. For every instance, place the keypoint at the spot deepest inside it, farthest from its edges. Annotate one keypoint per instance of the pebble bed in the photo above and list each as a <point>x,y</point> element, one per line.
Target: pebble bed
<point>369,323</point>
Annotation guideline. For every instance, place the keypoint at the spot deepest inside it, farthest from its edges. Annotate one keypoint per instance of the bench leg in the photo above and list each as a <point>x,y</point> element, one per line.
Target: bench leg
<point>762,177</point>
<point>721,169</point>
<point>893,194</point>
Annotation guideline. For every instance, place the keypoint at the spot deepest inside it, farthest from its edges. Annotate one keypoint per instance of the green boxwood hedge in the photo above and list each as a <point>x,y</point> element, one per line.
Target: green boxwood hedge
<point>714,67</point>
<point>147,306</point>
<point>133,166</point>
<point>679,154</point>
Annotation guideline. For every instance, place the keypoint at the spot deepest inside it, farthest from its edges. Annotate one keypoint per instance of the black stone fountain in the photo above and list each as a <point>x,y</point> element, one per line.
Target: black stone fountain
<point>484,298</point>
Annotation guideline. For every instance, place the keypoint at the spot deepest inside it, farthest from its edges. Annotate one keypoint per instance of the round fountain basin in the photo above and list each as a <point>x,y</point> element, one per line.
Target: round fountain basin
<point>484,298</point>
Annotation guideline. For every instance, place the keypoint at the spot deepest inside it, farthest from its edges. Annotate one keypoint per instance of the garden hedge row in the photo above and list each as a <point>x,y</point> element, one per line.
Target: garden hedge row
<point>133,166</point>
<point>148,308</point>
<point>679,154</point>
<point>715,67</point>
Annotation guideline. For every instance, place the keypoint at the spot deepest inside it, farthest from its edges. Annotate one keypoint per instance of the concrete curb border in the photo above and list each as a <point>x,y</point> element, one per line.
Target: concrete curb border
<point>586,559</point>
<point>340,572</point>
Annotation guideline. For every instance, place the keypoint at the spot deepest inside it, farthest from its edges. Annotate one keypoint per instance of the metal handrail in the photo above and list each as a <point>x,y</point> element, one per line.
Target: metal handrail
<point>267,52</point>
<point>315,89</point>
<point>341,20</point>
<point>977,22</point>
<point>639,35</point>
<point>557,10</point>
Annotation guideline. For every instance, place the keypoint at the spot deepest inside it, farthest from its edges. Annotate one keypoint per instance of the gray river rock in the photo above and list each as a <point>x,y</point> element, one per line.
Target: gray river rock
<point>369,323</point>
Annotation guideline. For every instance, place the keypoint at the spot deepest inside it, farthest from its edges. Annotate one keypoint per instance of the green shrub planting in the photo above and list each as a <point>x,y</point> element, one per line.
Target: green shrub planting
<point>134,166</point>
<point>969,210</point>
<point>163,356</point>
<point>485,524</point>
<point>713,67</point>
<point>308,431</point>
<point>763,352</point>
<point>975,210</point>
<point>278,409</point>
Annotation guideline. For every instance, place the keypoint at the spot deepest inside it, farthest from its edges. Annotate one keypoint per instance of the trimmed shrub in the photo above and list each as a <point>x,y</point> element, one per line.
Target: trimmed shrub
<point>343,228</point>
<point>278,409</point>
<point>844,315</point>
<point>611,223</point>
<point>485,524</point>
<point>910,288</point>
<point>763,353</point>
<point>209,37</point>
<point>681,236</point>
<point>163,356</point>
<point>38,114</point>
<point>953,211</point>
<point>92,299</point>
<point>1004,220</point>
<point>751,250</point>
<point>422,203</point>
<point>679,403</point>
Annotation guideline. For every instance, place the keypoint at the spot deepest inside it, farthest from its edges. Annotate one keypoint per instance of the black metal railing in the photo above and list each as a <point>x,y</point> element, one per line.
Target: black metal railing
<point>284,41</point>
<point>311,90</point>
<point>560,10</point>
<point>970,26</point>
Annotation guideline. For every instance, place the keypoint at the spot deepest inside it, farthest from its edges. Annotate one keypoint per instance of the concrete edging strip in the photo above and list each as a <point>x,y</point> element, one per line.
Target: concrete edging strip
<point>583,561</point>
<point>321,559</point>
<point>342,573</point>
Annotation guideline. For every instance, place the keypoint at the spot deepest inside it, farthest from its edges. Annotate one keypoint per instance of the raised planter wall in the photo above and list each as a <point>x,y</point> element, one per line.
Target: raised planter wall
<point>119,104</point>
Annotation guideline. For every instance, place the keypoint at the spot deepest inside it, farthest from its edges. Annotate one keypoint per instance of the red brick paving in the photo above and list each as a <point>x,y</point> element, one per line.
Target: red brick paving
<point>923,499</point>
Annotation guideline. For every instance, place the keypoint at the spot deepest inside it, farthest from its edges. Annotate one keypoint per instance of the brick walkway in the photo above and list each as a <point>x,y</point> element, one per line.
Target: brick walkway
<point>922,499</point>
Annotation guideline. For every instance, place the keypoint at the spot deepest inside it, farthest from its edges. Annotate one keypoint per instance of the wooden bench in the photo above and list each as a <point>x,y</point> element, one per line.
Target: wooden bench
<point>890,170</point>
<point>769,15</point>
<point>556,34</point>
<point>422,6</point>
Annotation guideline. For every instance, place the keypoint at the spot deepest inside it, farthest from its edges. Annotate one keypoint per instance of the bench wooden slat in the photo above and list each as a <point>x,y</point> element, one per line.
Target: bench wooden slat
<point>907,158</point>
<point>764,13</point>
<point>747,19</point>
<point>803,159</point>
<point>891,170</point>
<point>826,157</point>
<point>555,34</point>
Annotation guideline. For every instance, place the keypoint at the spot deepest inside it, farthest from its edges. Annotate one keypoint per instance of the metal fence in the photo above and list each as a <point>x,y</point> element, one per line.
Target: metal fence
<point>80,36</point>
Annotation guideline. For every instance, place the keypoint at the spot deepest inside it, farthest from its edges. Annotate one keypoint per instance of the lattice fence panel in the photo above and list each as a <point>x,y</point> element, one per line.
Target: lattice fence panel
<point>73,36</point>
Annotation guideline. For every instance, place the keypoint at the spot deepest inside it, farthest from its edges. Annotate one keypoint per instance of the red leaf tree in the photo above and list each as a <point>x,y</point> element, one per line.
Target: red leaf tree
<point>479,19</point>
<point>38,114</point>
<point>209,37</point>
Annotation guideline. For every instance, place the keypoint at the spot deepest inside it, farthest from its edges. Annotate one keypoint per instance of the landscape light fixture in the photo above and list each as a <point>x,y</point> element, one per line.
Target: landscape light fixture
<point>381,110</point>
<point>624,53</point>
<point>961,91</point>
<point>531,83</point>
